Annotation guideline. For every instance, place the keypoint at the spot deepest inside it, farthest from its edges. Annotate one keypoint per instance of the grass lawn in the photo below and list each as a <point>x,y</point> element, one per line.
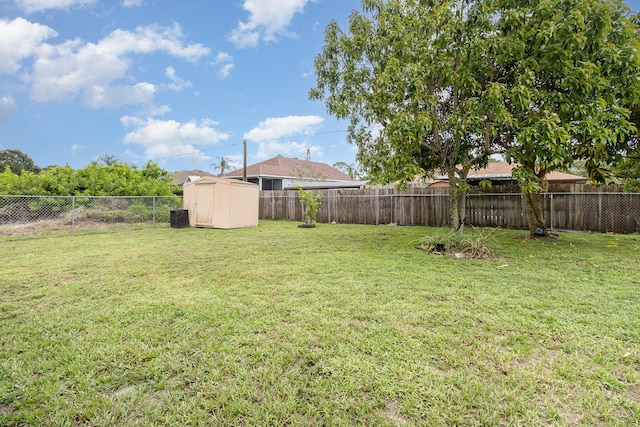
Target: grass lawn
<point>338,325</point>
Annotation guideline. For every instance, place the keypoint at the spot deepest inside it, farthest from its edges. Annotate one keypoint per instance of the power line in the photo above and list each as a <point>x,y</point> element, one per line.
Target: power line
<point>194,152</point>
<point>300,136</point>
<point>258,140</point>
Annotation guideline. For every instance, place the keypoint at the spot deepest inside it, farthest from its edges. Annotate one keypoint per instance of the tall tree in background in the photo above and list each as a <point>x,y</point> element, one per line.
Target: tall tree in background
<point>17,161</point>
<point>569,76</point>
<point>108,160</point>
<point>415,81</point>
<point>222,165</point>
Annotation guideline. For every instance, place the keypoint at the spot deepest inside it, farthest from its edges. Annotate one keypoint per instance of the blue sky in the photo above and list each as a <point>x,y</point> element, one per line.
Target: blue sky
<point>178,82</point>
<point>181,83</point>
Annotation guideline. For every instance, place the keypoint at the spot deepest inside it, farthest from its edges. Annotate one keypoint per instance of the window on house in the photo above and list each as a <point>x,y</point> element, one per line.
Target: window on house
<point>271,184</point>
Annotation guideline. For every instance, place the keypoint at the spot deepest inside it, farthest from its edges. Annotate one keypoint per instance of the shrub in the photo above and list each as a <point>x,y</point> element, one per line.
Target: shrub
<point>441,243</point>
<point>474,246</point>
<point>145,213</point>
<point>50,205</point>
<point>310,204</point>
<point>478,245</point>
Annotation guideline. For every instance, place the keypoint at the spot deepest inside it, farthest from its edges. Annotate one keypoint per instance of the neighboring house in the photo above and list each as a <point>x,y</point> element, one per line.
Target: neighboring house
<point>500,173</point>
<point>183,177</point>
<point>282,173</point>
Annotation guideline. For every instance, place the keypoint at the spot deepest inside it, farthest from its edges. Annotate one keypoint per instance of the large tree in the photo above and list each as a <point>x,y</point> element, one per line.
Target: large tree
<point>569,72</point>
<point>17,161</point>
<point>416,83</point>
<point>441,84</point>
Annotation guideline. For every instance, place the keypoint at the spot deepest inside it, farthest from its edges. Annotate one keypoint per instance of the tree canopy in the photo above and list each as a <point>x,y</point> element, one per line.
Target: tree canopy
<point>17,161</point>
<point>115,179</point>
<point>413,79</point>
<point>570,79</point>
<point>443,84</point>
<point>222,165</point>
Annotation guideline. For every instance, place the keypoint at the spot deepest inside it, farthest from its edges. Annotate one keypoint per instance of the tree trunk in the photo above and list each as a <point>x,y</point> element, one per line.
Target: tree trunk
<point>457,207</point>
<point>535,215</point>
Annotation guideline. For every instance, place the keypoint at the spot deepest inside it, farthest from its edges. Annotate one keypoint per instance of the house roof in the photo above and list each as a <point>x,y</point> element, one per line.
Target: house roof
<point>180,177</point>
<point>285,167</point>
<point>502,171</point>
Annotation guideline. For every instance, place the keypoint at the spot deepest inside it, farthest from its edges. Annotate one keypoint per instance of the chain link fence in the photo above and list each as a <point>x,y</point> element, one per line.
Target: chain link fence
<point>36,215</point>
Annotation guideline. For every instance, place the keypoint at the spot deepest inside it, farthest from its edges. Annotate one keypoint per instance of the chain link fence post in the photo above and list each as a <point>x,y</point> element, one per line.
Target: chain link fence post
<point>73,215</point>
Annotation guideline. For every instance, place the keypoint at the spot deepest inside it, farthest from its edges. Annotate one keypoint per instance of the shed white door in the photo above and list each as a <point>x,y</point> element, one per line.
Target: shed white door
<point>205,195</point>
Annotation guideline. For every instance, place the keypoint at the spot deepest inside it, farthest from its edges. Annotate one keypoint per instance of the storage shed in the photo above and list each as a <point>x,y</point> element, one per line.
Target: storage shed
<point>221,203</point>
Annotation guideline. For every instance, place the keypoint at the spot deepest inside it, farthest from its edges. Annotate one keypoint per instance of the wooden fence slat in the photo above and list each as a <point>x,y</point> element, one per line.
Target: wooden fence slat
<point>575,207</point>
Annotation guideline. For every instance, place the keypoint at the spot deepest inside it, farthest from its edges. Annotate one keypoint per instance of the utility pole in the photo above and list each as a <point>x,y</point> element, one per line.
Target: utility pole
<point>244,161</point>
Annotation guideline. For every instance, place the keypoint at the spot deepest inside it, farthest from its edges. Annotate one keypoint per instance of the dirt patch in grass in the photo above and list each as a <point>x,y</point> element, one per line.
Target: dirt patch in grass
<point>393,413</point>
<point>634,394</point>
<point>60,226</point>
<point>47,227</point>
<point>570,417</point>
<point>6,409</point>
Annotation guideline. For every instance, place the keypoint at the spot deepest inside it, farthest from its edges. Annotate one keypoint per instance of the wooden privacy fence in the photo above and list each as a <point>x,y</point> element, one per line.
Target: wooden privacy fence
<point>586,210</point>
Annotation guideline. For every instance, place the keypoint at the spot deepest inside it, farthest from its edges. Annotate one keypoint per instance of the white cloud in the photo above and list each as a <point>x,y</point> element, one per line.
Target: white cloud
<point>71,69</point>
<point>267,133</point>
<point>39,5</point>
<point>267,19</point>
<point>267,150</point>
<point>7,107</point>
<point>76,148</point>
<point>177,84</point>
<point>113,96</point>
<point>223,57</point>
<point>153,38</point>
<point>158,111</point>
<point>282,127</point>
<point>132,3</point>
<point>167,138</point>
<point>226,70</point>
<point>225,65</point>
<point>20,39</point>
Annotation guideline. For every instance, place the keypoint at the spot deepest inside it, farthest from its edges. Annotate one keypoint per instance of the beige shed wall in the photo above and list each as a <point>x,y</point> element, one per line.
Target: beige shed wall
<point>221,203</point>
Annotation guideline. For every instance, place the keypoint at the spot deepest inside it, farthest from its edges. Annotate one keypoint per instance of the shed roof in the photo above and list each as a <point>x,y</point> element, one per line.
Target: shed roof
<point>223,181</point>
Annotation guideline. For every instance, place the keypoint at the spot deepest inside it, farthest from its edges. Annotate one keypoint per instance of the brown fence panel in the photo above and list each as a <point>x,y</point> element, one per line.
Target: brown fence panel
<point>572,207</point>
<point>496,210</point>
<point>420,206</point>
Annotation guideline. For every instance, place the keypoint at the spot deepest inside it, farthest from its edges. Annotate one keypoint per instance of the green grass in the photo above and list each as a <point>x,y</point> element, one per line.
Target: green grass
<point>337,325</point>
